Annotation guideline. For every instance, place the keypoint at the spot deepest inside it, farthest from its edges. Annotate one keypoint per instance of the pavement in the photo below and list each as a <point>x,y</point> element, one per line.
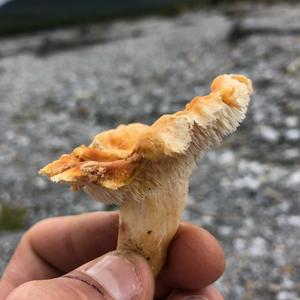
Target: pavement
<point>59,88</point>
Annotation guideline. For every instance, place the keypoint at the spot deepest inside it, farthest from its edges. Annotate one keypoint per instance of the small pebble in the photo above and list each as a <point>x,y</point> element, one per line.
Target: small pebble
<point>227,157</point>
<point>291,121</point>
<point>293,220</point>
<point>239,244</point>
<point>257,247</point>
<point>287,295</point>
<point>294,179</point>
<point>225,230</point>
<point>291,153</point>
<point>269,134</point>
<point>248,182</point>
<point>292,134</point>
<point>40,183</point>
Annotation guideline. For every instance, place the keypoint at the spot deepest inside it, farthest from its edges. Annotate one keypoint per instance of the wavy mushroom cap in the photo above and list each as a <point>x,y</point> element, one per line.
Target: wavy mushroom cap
<point>114,156</point>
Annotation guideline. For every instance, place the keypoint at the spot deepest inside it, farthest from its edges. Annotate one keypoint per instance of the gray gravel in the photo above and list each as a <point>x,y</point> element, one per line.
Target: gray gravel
<point>59,88</point>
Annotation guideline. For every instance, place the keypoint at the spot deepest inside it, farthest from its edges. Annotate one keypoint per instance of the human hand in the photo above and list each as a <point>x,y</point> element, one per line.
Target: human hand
<point>64,258</point>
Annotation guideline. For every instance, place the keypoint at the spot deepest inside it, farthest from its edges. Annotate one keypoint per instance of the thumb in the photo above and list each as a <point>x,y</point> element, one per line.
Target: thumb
<point>114,276</point>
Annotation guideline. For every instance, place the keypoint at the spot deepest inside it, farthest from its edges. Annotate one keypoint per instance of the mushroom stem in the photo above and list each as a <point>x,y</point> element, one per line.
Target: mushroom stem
<point>149,222</point>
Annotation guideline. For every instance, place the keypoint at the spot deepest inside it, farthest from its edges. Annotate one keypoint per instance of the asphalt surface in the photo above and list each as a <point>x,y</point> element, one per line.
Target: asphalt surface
<point>59,88</point>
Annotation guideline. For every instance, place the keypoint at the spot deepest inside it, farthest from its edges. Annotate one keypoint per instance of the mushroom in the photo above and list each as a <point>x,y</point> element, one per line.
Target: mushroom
<point>146,169</point>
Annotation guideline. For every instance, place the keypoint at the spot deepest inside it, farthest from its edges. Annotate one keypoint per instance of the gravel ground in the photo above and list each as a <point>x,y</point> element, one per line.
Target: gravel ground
<point>58,89</point>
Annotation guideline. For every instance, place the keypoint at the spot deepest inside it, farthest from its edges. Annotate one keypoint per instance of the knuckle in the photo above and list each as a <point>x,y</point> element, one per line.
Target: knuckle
<point>40,226</point>
<point>33,232</point>
<point>23,292</point>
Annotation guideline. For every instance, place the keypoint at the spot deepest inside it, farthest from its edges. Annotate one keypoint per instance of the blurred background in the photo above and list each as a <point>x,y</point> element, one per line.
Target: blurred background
<point>70,69</point>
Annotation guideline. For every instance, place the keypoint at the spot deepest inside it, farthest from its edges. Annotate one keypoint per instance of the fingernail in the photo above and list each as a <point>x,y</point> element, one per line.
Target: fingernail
<point>117,276</point>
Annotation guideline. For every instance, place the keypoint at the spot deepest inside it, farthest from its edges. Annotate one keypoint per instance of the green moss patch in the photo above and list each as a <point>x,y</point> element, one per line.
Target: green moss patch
<point>11,218</point>
<point>110,207</point>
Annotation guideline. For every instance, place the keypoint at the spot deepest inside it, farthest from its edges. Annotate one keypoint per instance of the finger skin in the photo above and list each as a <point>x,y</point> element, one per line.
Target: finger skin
<point>25,265</point>
<point>195,258</point>
<point>208,293</point>
<point>77,239</point>
<point>60,288</point>
<point>80,284</point>
<point>86,237</point>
